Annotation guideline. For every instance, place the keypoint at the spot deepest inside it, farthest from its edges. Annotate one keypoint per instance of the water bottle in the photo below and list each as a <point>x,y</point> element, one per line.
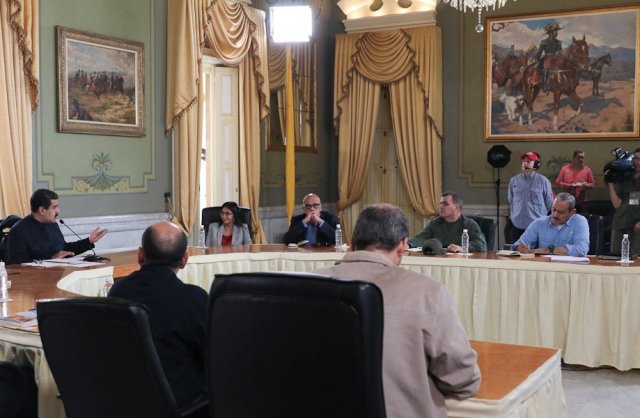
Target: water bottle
<point>624,249</point>
<point>108,282</point>
<point>4,283</point>
<point>338,238</point>
<point>201,237</point>
<point>465,241</point>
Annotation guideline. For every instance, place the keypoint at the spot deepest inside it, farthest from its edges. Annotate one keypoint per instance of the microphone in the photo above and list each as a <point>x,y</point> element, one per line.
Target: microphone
<point>93,257</point>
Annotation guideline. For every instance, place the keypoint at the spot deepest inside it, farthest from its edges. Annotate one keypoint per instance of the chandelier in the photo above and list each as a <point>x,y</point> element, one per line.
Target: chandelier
<point>478,5</point>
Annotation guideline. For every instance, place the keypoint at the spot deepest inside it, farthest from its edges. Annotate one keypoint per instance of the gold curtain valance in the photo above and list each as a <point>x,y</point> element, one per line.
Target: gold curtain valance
<point>386,57</point>
<point>230,29</point>
<point>23,19</point>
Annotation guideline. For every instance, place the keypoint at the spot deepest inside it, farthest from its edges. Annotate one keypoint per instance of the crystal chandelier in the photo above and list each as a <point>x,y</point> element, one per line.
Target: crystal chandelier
<point>478,5</point>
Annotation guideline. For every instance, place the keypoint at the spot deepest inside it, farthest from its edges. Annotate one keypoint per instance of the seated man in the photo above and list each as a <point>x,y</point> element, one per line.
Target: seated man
<point>426,356</point>
<point>38,236</point>
<point>563,232</point>
<point>447,227</point>
<point>178,311</point>
<point>316,226</point>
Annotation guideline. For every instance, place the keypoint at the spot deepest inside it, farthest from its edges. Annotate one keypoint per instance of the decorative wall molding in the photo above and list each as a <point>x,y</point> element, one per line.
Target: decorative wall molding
<point>125,231</point>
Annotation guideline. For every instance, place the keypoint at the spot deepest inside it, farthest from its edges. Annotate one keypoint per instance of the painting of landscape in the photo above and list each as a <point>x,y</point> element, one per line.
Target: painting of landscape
<point>100,82</point>
<point>584,88</point>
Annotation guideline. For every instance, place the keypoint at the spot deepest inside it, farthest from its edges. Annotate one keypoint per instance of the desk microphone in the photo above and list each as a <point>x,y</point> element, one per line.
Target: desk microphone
<point>93,257</point>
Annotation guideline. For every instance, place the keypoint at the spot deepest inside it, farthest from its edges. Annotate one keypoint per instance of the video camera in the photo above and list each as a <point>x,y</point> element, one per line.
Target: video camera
<point>620,168</point>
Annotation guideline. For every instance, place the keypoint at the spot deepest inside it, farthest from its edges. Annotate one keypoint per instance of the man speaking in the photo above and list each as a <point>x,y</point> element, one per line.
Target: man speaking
<point>38,235</point>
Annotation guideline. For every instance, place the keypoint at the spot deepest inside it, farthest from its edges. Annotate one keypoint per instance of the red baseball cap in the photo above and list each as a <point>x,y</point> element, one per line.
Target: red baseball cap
<point>530,155</point>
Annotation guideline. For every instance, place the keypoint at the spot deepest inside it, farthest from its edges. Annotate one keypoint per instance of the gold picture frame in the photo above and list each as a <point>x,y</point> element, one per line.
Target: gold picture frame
<point>100,84</point>
<point>592,82</point>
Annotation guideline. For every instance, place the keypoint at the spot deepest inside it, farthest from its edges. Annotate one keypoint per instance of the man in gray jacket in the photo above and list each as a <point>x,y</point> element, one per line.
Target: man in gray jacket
<point>426,352</point>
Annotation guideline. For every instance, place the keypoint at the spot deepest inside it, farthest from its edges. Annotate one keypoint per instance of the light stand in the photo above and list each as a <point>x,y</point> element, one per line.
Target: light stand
<point>290,24</point>
<point>498,156</point>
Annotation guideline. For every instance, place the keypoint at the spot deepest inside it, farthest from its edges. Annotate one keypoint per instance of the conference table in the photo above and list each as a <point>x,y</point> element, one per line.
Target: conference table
<point>585,311</point>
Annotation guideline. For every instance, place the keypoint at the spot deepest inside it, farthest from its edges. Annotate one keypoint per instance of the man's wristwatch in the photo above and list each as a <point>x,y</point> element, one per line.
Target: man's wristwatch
<point>551,248</point>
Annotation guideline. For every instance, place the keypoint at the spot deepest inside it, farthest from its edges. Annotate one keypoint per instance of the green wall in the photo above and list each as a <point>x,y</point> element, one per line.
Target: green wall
<point>144,162</point>
<point>465,167</point>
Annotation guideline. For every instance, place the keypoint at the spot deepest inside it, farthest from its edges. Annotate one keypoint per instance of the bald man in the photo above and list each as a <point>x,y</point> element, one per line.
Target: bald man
<point>178,311</point>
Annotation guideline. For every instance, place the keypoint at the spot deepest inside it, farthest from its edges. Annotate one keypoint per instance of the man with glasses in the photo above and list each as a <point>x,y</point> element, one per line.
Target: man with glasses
<point>315,226</point>
<point>625,197</point>
<point>564,232</point>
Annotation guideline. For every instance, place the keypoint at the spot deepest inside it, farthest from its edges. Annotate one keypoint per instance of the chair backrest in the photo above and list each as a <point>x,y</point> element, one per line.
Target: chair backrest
<point>5,226</point>
<point>488,228</point>
<point>606,209</point>
<point>285,345</point>
<point>212,214</point>
<point>596,234</point>
<point>13,388</point>
<point>103,359</point>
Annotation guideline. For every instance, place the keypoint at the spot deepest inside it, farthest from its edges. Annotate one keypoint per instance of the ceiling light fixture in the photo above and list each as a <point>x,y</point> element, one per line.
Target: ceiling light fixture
<point>476,5</point>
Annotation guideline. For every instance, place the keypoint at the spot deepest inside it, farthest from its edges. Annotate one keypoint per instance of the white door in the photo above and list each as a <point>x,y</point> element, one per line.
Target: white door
<point>219,174</point>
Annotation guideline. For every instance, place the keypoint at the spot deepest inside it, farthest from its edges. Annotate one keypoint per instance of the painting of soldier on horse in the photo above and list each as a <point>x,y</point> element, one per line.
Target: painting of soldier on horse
<point>100,83</point>
<point>568,75</point>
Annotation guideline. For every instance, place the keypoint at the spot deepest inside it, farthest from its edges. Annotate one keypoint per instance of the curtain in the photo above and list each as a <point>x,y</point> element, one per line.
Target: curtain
<point>237,35</point>
<point>409,61</point>
<point>19,40</point>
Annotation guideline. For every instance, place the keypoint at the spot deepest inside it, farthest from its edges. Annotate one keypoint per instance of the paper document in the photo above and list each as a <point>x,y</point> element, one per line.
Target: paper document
<point>76,261</point>
<point>24,321</point>
<point>568,259</point>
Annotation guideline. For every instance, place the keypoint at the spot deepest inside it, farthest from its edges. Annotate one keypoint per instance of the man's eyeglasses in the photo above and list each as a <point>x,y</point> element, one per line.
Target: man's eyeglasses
<point>226,213</point>
<point>312,206</point>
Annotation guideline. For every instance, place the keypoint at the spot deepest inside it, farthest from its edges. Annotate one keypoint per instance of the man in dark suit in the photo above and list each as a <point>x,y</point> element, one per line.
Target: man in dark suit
<point>315,225</point>
<point>178,311</point>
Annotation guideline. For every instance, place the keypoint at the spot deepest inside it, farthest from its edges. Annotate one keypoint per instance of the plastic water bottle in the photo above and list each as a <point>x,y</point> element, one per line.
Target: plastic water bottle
<point>465,241</point>
<point>4,283</point>
<point>108,282</point>
<point>201,237</point>
<point>624,249</point>
<point>338,238</point>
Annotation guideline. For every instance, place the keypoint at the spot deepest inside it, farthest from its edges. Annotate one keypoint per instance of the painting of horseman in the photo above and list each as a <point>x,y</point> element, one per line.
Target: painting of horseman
<point>575,72</point>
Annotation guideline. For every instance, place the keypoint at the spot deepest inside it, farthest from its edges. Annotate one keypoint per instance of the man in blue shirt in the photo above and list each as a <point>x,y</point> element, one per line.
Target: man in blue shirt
<point>563,232</point>
<point>530,195</point>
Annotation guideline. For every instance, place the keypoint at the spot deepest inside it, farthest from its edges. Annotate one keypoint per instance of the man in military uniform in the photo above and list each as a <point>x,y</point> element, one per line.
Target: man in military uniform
<point>550,49</point>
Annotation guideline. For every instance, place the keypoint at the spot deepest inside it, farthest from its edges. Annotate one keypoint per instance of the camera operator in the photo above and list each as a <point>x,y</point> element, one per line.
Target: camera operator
<point>625,197</point>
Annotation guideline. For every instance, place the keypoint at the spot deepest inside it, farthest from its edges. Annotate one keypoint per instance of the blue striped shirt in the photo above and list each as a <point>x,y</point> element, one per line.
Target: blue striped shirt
<point>530,198</point>
<point>573,235</point>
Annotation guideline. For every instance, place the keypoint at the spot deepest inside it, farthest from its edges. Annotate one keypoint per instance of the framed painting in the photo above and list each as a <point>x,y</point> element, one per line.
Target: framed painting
<point>100,84</point>
<point>569,75</point>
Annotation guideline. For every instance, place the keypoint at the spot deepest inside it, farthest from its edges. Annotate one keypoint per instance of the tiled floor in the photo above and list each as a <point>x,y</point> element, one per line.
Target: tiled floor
<point>601,393</point>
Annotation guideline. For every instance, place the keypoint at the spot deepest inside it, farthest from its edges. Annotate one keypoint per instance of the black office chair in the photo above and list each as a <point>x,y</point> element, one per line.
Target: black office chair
<point>104,361</point>
<point>13,388</point>
<point>212,214</point>
<point>596,236</point>
<point>488,228</point>
<point>606,210</point>
<point>5,226</point>
<point>288,345</point>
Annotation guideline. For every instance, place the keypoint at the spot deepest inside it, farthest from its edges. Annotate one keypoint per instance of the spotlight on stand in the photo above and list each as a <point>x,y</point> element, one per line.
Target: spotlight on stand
<point>498,157</point>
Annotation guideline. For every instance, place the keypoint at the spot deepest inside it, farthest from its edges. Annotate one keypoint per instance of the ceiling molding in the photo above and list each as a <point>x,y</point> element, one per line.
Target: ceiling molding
<point>387,14</point>
<point>389,22</point>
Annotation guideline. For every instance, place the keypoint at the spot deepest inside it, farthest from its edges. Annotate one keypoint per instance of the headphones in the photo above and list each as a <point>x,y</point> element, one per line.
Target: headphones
<point>537,163</point>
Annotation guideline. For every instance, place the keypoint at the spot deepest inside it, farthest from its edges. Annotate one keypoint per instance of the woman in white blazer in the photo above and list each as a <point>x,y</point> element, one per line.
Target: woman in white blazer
<point>230,231</point>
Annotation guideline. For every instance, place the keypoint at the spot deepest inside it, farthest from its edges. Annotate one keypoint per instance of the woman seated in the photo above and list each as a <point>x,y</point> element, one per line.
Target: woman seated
<point>230,231</point>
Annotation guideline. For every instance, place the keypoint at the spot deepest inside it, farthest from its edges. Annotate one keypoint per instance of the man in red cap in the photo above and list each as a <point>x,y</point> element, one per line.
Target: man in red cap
<point>530,195</point>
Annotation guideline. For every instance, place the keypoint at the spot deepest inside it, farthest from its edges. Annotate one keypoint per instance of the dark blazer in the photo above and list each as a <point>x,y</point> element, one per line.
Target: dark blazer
<point>30,240</point>
<point>178,313</point>
<point>326,233</point>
